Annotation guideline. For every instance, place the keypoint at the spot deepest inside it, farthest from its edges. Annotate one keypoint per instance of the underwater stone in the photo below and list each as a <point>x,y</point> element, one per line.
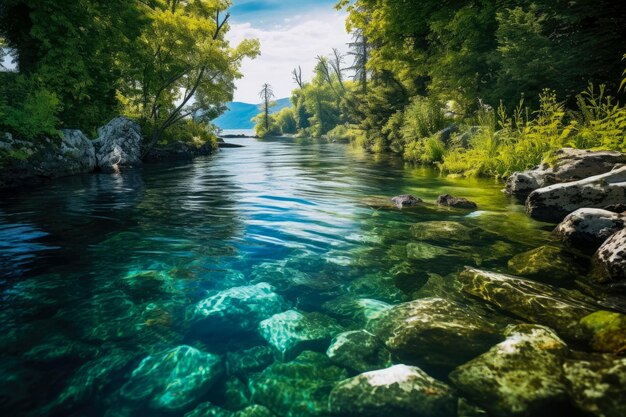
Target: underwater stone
<point>598,386</point>
<point>248,361</point>
<point>359,351</point>
<point>398,391</point>
<point>174,379</point>
<point>292,332</point>
<point>434,332</point>
<point>406,200</point>
<point>530,300</point>
<point>522,376</point>
<point>457,202</point>
<point>424,251</point>
<point>238,308</point>
<point>609,263</point>
<point>377,286</point>
<point>299,388</point>
<point>441,230</point>
<point>546,262</point>
<point>587,229</point>
<point>358,311</point>
<point>210,410</point>
<point>608,330</point>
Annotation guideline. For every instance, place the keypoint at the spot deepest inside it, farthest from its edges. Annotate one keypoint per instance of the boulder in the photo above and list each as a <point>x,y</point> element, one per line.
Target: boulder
<point>236,309</point>
<point>532,301</point>
<point>292,332</point>
<point>245,362</point>
<point>521,376</point>
<point>434,332</point>
<point>178,151</point>
<point>571,165</point>
<point>78,151</point>
<point>607,330</point>
<point>441,230</point>
<point>609,263</point>
<point>118,145</point>
<point>425,251</point>
<point>587,229</point>
<point>597,386</point>
<point>210,410</point>
<point>406,200</point>
<point>174,379</point>
<point>457,202</point>
<point>299,388</point>
<point>399,391</point>
<point>553,203</point>
<point>359,351</point>
<point>547,262</point>
<point>357,311</point>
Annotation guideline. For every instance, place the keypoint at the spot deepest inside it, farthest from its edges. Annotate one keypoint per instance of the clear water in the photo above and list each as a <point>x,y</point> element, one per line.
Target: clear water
<point>101,270</point>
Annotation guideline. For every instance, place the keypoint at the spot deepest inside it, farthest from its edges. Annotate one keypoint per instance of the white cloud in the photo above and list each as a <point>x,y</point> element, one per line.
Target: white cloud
<point>296,42</point>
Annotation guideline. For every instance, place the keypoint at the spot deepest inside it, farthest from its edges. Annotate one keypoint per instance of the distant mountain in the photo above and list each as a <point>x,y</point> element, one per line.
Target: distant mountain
<point>239,115</point>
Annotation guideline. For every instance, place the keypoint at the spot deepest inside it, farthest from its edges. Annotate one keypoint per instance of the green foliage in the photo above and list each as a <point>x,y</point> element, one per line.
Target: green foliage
<point>265,127</point>
<point>191,133</point>
<point>340,133</point>
<point>27,110</point>
<point>286,121</point>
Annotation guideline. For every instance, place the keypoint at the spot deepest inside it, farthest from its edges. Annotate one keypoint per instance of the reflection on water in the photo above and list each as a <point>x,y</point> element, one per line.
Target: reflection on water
<point>100,274</point>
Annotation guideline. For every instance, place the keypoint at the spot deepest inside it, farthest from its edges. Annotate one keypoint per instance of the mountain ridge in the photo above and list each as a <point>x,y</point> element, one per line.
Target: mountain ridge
<point>239,115</point>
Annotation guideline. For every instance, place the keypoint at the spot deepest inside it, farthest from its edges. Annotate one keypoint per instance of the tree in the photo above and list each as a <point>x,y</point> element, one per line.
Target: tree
<point>266,94</point>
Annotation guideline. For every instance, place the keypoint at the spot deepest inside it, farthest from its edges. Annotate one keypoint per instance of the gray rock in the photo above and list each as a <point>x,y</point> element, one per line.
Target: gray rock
<point>399,391</point>
<point>609,263</point>
<point>538,303</point>
<point>434,332</point>
<point>79,151</point>
<point>598,386</point>
<point>522,376</point>
<point>299,388</point>
<point>292,332</point>
<point>359,351</point>
<point>457,202</point>
<point>571,165</point>
<point>553,203</point>
<point>118,145</point>
<point>236,309</point>
<point>406,200</point>
<point>174,379</point>
<point>587,229</point>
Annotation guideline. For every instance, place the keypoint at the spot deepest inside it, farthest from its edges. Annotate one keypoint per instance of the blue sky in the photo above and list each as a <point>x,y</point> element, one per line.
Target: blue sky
<point>292,33</point>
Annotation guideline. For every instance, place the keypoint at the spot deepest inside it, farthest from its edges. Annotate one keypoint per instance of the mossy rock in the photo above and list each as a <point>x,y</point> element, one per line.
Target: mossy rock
<point>608,330</point>
<point>441,230</point>
<point>547,262</point>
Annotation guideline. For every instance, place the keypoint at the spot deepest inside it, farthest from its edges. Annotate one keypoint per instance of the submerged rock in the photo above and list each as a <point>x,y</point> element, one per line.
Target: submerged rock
<point>377,286</point>
<point>399,391</point>
<point>358,311</point>
<point>292,332</point>
<point>546,262</point>
<point>553,203</point>
<point>118,145</point>
<point>609,263</point>
<point>571,165</point>
<point>441,230</point>
<point>299,388</point>
<point>587,229</point>
<point>406,200</point>
<point>457,202</point>
<point>598,386</point>
<point>210,410</point>
<point>608,331</point>
<point>530,300</point>
<point>248,361</point>
<point>236,309</point>
<point>424,251</point>
<point>359,351</point>
<point>434,332</point>
<point>174,379</point>
<point>522,376</point>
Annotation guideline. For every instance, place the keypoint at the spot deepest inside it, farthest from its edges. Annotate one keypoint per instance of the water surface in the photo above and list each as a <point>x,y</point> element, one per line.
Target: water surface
<point>102,270</point>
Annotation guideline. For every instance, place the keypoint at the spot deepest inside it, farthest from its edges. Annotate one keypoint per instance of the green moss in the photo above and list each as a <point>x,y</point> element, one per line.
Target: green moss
<point>608,331</point>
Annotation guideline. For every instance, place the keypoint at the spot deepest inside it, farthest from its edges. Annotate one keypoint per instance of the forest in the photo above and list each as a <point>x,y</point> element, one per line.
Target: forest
<point>164,63</point>
<point>474,87</point>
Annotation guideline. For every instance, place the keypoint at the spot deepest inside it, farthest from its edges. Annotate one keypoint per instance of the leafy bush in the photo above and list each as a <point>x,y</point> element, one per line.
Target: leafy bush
<point>26,109</point>
<point>341,133</point>
<point>193,134</point>
<point>423,117</point>
<point>286,121</point>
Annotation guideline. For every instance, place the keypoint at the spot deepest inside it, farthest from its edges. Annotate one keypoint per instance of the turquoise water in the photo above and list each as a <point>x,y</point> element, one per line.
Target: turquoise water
<point>99,272</point>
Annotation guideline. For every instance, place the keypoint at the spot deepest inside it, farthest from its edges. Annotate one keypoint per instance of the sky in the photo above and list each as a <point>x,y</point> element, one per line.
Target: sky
<point>292,33</point>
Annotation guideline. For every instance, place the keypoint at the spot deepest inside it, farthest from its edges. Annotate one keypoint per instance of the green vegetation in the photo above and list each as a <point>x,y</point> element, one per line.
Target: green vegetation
<point>476,87</point>
<point>165,63</point>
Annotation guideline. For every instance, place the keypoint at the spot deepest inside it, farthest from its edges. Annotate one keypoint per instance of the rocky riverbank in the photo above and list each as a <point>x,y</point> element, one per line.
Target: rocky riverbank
<point>118,146</point>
